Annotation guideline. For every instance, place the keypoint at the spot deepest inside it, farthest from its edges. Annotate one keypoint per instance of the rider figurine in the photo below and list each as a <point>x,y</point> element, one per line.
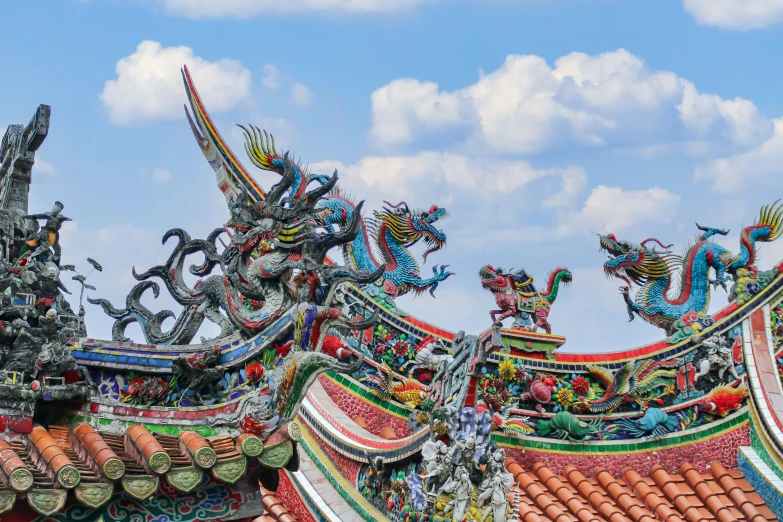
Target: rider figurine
<point>49,236</point>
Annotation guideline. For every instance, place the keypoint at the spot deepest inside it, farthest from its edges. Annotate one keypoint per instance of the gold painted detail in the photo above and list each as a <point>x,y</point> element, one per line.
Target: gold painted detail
<point>140,487</point>
<point>114,469</point>
<point>160,462</point>
<point>47,501</point>
<point>94,494</point>
<point>252,446</point>
<point>21,479</point>
<point>69,477</point>
<point>7,500</point>
<point>230,470</point>
<point>205,457</point>
<point>277,455</point>
<point>185,479</point>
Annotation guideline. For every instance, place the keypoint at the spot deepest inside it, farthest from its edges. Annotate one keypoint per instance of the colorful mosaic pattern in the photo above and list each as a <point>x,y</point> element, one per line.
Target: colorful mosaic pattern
<point>209,504</point>
<point>671,453</point>
<point>348,398</point>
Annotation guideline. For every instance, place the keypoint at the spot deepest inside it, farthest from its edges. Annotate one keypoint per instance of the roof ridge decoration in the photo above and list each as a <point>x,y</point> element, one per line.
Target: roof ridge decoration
<point>214,414</point>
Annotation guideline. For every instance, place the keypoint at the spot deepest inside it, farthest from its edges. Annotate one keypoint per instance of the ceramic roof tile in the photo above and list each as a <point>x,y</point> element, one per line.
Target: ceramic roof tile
<point>736,492</point>
<point>689,496</point>
<point>274,510</point>
<point>61,457</point>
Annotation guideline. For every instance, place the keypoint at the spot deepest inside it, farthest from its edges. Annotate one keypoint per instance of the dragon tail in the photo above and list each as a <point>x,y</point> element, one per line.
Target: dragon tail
<point>556,277</point>
<point>767,228</point>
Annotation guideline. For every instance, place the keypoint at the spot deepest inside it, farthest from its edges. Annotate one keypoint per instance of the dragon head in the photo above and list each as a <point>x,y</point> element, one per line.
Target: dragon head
<point>635,263</point>
<point>493,279</point>
<point>410,226</point>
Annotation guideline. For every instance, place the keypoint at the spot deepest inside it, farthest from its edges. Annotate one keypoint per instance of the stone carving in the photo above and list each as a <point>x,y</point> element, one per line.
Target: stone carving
<point>17,154</point>
<point>719,359</point>
<point>461,487</point>
<point>437,465</point>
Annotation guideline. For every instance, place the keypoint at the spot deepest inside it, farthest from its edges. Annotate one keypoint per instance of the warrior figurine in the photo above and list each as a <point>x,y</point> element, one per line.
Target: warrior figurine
<point>719,357</point>
<point>49,236</point>
<point>437,465</point>
<point>463,453</point>
<point>499,488</point>
<point>460,485</point>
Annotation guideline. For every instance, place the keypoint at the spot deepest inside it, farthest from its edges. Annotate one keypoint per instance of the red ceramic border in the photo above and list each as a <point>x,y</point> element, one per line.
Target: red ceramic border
<point>353,405</point>
<point>347,467</point>
<point>722,448</point>
<point>288,494</point>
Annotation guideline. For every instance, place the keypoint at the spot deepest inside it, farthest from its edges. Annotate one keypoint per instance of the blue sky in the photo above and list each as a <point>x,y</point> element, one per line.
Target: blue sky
<point>537,124</point>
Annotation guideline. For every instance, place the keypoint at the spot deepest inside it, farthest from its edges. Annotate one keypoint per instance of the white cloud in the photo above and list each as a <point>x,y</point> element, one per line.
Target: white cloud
<point>572,183</point>
<point>527,106</point>
<point>161,176</point>
<point>612,209</point>
<point>271,78</point>
<point>736,14</point>
<point>149,84</point>
<point>404,104</point>
<point>727,174</point>
<point>252,8</point>
<point>301,94</point>
<point>43,167</point>
<point>398,175</point>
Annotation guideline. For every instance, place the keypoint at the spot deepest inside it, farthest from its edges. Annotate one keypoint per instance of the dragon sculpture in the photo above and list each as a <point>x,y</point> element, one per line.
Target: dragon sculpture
<point>275,262</point>
<point>638,382</point>
<point>653,270</point>
<point>387,237</point>
<point>275,258</point>
<point>517,297</point>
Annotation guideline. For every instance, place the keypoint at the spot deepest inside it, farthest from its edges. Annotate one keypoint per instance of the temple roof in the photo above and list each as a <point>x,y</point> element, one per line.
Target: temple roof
<point>722,494</point>
<point>49,462</point>
<point>274,510</point>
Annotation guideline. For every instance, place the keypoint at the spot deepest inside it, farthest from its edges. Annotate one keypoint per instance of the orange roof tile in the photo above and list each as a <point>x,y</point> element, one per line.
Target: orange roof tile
<point>719,496</point>
<point>274,510</point>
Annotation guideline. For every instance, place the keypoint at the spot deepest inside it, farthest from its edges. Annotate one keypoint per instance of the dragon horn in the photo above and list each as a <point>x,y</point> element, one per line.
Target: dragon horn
<point>398,205</point>
<point>644,243</point>
<point>279,188</point>
<point>315,194</point>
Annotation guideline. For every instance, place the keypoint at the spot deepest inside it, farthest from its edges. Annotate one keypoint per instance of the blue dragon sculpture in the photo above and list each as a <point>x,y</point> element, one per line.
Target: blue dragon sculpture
<point>388,236</point>
<point>653,270</point>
